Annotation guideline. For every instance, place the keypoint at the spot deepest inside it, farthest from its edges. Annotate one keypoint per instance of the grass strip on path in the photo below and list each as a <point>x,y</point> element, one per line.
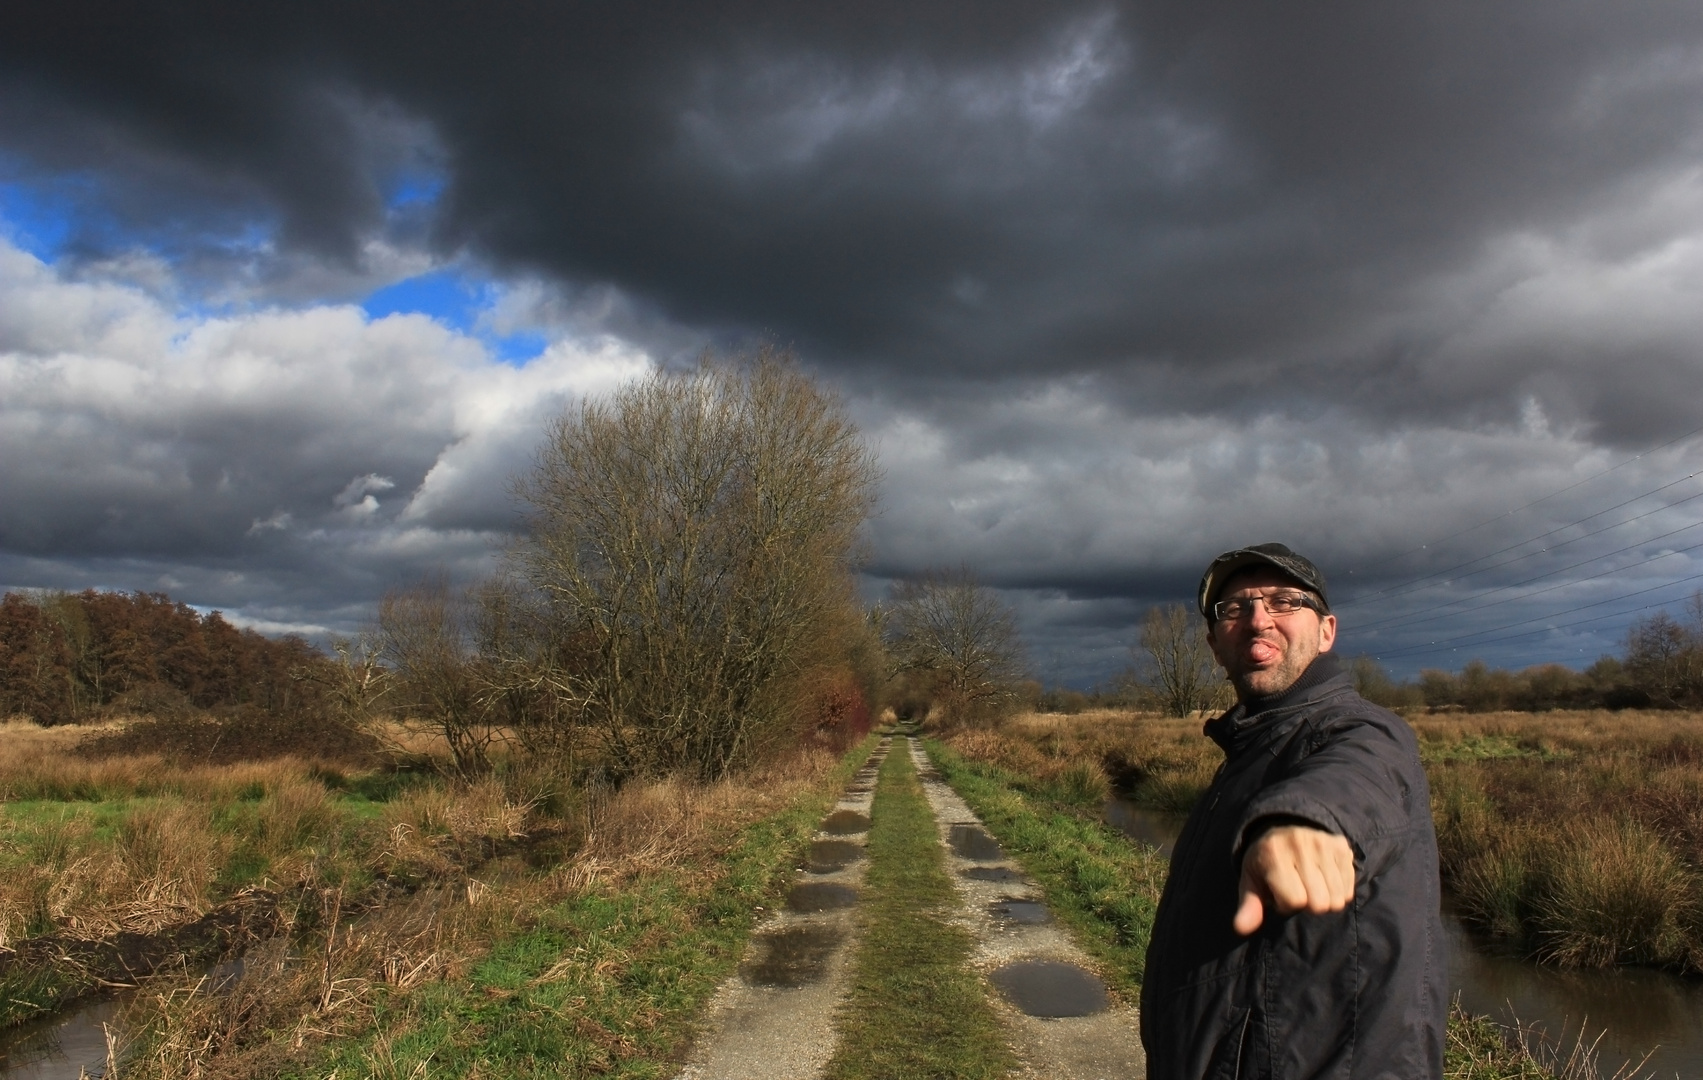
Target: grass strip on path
<point>916,1009</point>
<point>1101,884</point>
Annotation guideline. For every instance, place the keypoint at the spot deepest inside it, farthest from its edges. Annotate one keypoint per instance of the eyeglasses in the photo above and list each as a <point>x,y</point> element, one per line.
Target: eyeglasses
<point>1276,605</point>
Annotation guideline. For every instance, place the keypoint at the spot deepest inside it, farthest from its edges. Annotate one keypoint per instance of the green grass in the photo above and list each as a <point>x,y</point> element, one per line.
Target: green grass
<point>1098,882</point>
<point>606,984</point>
<point>1486,747</point>
<point>916,1009</point>
<point>28,993</point>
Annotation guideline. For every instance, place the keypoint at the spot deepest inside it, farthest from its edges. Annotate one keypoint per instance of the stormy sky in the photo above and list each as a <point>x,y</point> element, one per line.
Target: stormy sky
<point>287,292</point>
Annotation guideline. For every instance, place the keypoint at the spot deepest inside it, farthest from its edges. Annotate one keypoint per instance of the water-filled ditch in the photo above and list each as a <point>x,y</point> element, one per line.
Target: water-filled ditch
<point>72,1044</point>
<point>1633,1010</point>
<point>60,1047</point>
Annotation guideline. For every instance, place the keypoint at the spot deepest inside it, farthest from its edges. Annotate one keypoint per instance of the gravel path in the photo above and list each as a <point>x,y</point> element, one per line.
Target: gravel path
<point>774,1019</point>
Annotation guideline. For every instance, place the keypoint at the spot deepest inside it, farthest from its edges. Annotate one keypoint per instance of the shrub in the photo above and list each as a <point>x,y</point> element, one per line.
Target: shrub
<point>1613,893</point>
<point>689,549</point>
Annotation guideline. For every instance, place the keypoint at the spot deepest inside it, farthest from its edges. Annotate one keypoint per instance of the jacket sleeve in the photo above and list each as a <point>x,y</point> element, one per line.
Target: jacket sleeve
<point>1353,777</point>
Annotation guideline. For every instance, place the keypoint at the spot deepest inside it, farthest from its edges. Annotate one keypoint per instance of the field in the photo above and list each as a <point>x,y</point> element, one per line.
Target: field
<point>393,921</point>
<point>384,915</point>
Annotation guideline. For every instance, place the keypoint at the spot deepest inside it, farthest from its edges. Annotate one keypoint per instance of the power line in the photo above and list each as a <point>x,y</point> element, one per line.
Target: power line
<point>1406,619</point>
<point>1401,588</point>
<point>1431,650</point>
<point>1458,642</point>
<point>1526,506</point>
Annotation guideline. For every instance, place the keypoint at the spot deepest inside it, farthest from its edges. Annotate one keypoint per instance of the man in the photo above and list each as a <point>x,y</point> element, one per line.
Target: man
<point>1299,934</point>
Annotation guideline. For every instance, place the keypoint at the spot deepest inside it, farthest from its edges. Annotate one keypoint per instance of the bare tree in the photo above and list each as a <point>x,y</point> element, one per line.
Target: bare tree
<point>426,638</point>
<point>1664,655</point>
<point>691,543</point>
<point>517,668</point>
<point>964,636</point>
<point>1175,663</point>
<point>356,682</point>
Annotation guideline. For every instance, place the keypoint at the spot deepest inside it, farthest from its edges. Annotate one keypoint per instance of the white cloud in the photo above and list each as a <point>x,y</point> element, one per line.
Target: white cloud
<point>313,442</point>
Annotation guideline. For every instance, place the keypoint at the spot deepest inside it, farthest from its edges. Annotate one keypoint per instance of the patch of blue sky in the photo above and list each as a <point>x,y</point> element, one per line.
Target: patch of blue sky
<point>518,348</point>
<point>413,190</point>
<point>458,302</point>
<point>39,219</point>
<point>444,295</point>
<point>52,216</point>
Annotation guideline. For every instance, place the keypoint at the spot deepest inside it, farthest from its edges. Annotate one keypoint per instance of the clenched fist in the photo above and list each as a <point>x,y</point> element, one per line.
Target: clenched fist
<point>1294,868</point>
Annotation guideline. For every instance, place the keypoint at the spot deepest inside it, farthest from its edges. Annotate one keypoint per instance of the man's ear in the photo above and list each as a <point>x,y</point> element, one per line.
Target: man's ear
<point>1327,632</point>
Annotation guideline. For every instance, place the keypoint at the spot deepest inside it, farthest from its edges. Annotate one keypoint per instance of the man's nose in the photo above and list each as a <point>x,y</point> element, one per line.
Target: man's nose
<point>1260,618</point>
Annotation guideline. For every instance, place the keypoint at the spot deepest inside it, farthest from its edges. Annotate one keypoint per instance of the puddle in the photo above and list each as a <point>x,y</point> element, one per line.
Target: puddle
<point>1049,988</point>
<point>796,956</point>
<point>820,896</point>
<point>999,874</point>
<point>845,822</point>
<point>973,842</point>
<point>827,856</point>
<point>1024,912</point>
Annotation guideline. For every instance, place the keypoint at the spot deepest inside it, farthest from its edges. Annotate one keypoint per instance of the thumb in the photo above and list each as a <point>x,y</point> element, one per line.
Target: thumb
<point>1250,913</point>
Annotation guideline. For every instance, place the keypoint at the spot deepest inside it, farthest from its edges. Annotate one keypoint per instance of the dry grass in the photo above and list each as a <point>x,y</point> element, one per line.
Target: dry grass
<point>137,845</point>
<point>330,982</point>
<point>1577,837</point>
<point>92,847</point>
<point>1161,761</point>
<point>668,822</point>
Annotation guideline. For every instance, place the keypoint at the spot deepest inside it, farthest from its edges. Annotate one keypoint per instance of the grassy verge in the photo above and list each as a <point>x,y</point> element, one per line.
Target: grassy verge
<point>605,984</point>
<point>1100,884</point>
<point>598,965</point>
<point>916,1009</point>
<point>1479,1048</point>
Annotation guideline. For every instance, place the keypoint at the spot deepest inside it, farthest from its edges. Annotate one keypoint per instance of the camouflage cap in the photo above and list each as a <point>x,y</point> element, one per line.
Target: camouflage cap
<point>1277,556</point>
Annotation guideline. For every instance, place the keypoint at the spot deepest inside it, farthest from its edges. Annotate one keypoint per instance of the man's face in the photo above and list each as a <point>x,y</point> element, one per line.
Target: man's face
<point>1264,655</point>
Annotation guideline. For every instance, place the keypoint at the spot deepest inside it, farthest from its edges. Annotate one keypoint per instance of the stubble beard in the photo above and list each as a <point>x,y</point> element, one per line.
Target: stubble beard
<point>1267,682</point>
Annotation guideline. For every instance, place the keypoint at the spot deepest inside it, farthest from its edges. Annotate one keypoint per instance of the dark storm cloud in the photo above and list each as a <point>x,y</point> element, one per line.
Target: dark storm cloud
<point>1223,194</point>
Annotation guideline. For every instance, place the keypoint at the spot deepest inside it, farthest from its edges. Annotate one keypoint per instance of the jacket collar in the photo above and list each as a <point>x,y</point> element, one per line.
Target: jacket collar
<point>1322,676</point>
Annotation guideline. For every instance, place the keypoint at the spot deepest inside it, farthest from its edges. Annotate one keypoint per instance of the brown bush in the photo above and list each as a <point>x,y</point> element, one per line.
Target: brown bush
<point>689,552</point>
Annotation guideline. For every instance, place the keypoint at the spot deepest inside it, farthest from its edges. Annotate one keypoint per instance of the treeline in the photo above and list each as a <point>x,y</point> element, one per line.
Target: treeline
<point>66,657</point>
<point>1662,668</point>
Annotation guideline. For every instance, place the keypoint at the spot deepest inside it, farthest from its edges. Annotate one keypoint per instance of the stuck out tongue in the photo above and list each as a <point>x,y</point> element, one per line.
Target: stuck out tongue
<point>1261,652</point>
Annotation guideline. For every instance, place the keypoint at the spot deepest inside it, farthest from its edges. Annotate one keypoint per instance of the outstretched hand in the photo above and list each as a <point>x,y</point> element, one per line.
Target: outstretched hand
<point>1294,868</point>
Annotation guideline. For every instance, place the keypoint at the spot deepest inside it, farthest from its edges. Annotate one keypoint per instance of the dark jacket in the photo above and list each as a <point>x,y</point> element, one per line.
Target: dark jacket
<point>1356,995</point>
